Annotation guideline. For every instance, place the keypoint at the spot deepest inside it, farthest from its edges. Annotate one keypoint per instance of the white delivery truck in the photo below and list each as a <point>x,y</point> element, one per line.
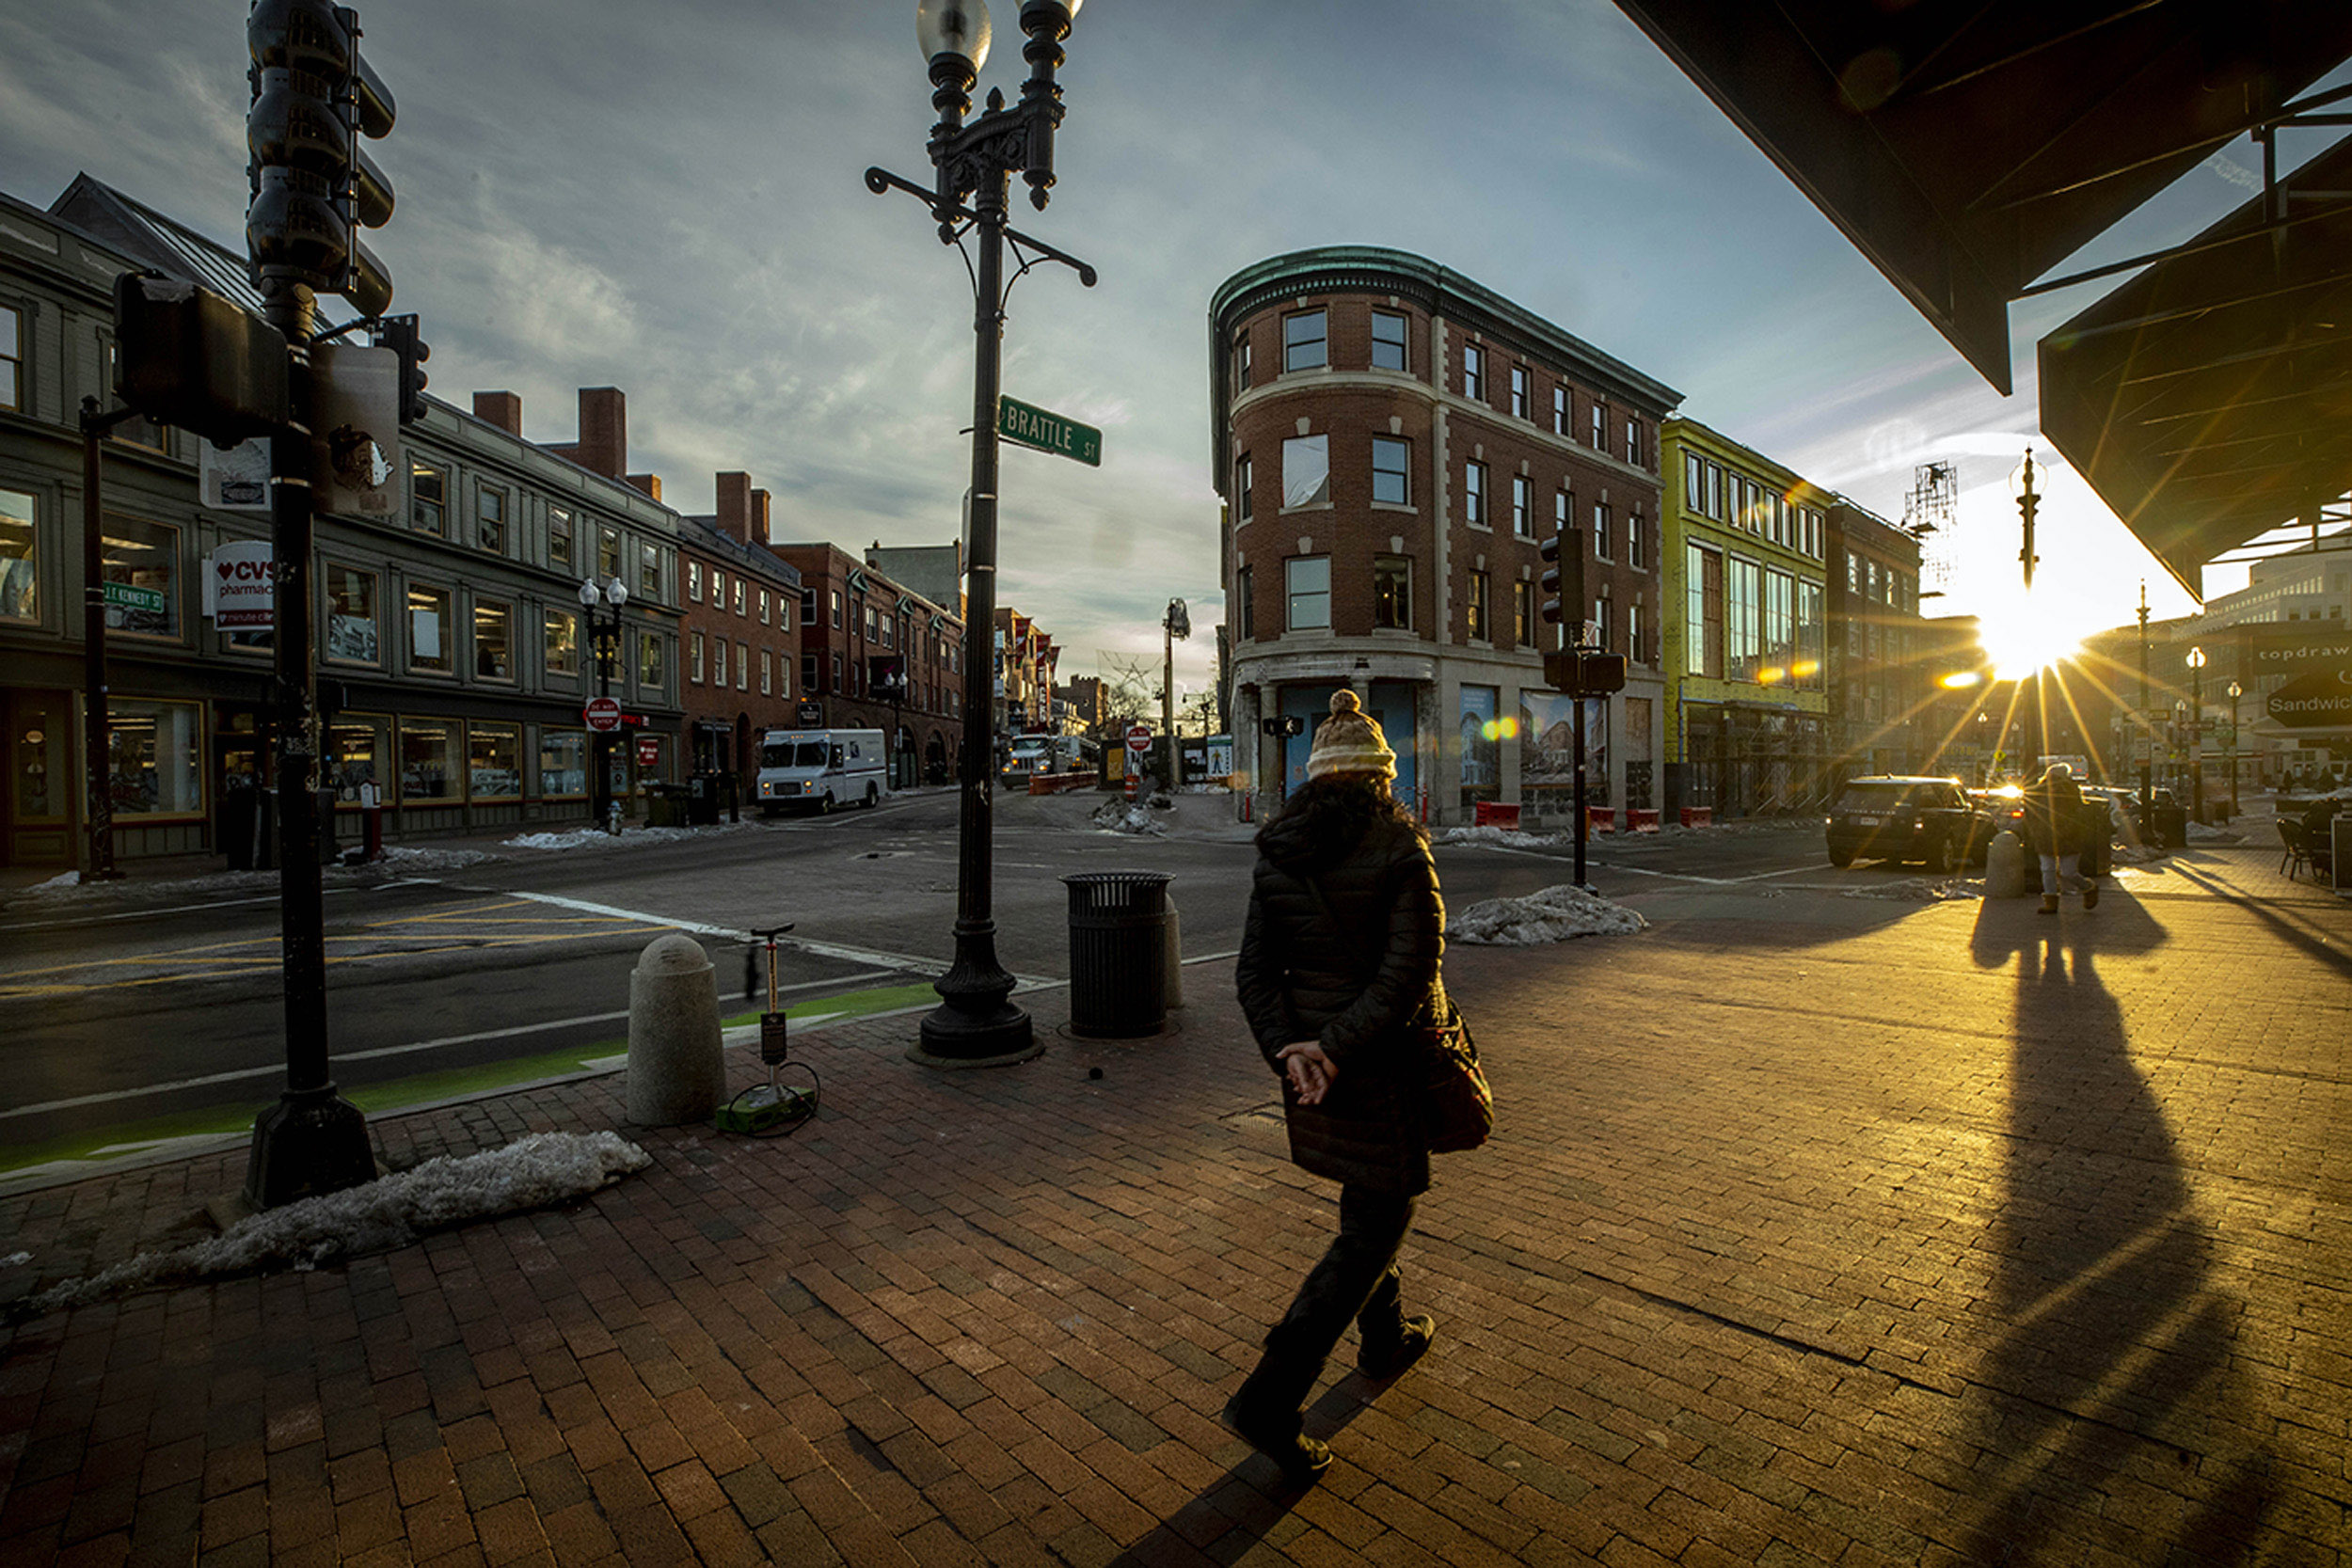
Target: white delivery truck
<point>818,770</point>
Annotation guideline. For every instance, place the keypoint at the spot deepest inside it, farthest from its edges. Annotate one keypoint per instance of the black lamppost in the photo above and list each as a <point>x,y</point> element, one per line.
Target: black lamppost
<point>604,634</point>
<point>976,1023</point>
<point>2196,733</point>
<point>2235,692</point>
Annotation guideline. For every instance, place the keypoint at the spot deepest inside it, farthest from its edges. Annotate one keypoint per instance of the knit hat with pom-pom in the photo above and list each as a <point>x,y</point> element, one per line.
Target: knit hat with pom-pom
<point>1349,742</point>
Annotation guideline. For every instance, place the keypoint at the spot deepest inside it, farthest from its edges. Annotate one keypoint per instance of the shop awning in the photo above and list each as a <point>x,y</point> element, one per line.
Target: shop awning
<point>1967,148</point>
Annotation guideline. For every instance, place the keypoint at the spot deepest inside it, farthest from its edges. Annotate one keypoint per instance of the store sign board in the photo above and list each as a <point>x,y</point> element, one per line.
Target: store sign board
<point>241,586</point>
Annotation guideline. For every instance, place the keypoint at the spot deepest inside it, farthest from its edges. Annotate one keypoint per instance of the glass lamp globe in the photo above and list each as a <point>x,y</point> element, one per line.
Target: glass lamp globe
<point>617,592</point>
<point>953,28</point>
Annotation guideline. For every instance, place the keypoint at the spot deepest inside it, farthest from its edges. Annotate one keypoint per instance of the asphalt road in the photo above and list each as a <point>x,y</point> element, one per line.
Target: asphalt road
<point>163,1002</point>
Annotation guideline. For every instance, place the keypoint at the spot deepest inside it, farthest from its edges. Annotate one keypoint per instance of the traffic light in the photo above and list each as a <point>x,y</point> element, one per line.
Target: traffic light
<point>1564,573</point>
<point>401,334</point>
<point>310,185</point>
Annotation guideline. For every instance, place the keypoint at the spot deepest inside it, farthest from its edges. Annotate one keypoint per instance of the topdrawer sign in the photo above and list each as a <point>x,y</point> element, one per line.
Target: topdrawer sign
<point>2275,649</point>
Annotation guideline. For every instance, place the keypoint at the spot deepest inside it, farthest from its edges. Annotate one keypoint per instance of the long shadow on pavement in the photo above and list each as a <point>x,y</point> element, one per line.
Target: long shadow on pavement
<point>2112,1379</point>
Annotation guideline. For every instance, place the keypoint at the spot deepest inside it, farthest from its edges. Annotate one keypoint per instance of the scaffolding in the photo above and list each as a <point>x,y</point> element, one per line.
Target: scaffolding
<point>1931,515</point>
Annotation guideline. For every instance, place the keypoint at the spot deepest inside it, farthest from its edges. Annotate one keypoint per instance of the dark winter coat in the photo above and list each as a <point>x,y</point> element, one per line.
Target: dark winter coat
<point>1357,979</point>
<point>2054,816</point>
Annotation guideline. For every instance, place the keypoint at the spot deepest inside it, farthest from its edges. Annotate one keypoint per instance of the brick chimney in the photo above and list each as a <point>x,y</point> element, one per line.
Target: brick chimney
<point>503,409</point>
<point>735,506</point>
<point>603,444</point>
<point>759,516</point>
<point>649,484</point>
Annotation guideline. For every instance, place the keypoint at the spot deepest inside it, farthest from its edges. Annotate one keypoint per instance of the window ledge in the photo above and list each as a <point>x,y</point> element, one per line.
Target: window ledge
<point>1311,506</point>
<point>1406,507</point>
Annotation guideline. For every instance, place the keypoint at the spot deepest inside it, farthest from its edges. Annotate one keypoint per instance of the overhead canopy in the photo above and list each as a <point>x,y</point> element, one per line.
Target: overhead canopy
<point>2210,399</point>
<point>1967,146</point>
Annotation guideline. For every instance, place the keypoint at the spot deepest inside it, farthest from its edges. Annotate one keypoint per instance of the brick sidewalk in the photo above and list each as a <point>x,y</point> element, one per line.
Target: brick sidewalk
<point>1911,1234</point>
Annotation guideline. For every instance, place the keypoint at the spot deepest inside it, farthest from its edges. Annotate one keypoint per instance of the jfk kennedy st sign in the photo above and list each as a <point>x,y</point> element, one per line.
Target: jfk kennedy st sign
<point>1035,427</point>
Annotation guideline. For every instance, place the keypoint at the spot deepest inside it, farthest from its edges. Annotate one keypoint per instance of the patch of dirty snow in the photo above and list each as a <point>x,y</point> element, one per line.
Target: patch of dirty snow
<point>1554,914</point>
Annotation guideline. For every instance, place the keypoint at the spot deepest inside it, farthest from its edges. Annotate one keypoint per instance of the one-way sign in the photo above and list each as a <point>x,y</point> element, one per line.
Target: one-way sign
<point>1034,427</point>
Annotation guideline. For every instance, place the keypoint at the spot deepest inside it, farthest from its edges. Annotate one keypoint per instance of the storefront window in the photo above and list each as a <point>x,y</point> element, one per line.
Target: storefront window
<point>39,762</point>
<point>351,634</point>
<point>494,761</point>
<point>428,759</point>
<point>141,568</point>
<point>357,745</point>
<point>156,758</point>
<point>20,584</point>
<point>429,629</point>
<point>562,763</point>
<point>492,628</point>
<point>562,643</point>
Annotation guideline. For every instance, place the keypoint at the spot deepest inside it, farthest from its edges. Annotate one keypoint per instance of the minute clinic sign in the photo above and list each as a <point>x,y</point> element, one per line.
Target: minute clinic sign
<point>241,586</point>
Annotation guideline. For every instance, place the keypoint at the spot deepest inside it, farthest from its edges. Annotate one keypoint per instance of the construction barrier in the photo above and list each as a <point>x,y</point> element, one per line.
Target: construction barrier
<point>1600,819</point>
<point>1054,784</point>
<point>1698,817</point>
<point>1640,819</point>
<point>1494,813</point>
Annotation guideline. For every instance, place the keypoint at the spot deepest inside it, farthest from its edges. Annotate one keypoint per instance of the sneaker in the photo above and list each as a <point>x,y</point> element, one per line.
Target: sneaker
<point>2090,895</point>
<point>1303,1459</point>
<point>1383,1362</point>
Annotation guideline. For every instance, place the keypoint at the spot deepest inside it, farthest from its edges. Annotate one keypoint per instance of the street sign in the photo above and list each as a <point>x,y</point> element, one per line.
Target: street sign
<point>1029,426</point>
<point>130,595</point>
<point>602,713</point>
<point>1139,737</point>
<point>2322,699</point>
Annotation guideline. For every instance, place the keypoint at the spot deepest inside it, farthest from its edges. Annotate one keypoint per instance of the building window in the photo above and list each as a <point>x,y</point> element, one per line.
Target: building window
<point>493,637</point>
<point>1306,471</point>
<point>155,765</point>
<point>836,609</point>
<point>1637,543</point>
<point>694,581</point>
<point>562,763</point>
<point>608,553</point>
<point>1523,506</point>
<point>143,559</point>
<point>1743,642</point>
<point>1241,488</point>
<point>763,607</point>
<point>1559,410</point>
<point>808,673</point>
<point>1390,471</point>
<point>719,662</point>
<point>1387,341</point>
<point>489,519</point>
<point>1780,625</point>
<point>1694,482</point>
<point>1523,613</point>
<point>351,626</point>
<point>1810,626</point>
<point>1392,591</point>
<point>559,630</point>
<point>1634,648</point>
<point>1601,427</point>
<point>428,759</point>
<point>739,594</point>
<point>1474,373</point>
<point>429,631</point>
<point>428,497</point>
<point>1245,614</point>
<point>1475,493</point>
<point>809,607</point>
<point>1714,507</point>
<point>560,540</point>
<point>694,658</point>
<point>1475,612</point>
<point>1518,392</point>
<point>1603,519</point>
<point>743,666</point>
<point>11,356</point>
<point>650,681</point>
<point>1241,362</point>
<point>1303,341</point>
<point>1601,622</point>
<point>1703,611</point>
<point>494,761</point>
<point>836,674</point>
<point>1633,442</point>
<point>357,748</point>
<point>1562,508</point>
<point>649,574</point>
<point>19,561</point>
<point>1309,583</point>
<point>766,673</point>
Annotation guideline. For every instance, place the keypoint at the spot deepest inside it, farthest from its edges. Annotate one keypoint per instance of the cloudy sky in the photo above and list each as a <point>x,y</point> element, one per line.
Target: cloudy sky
<point>667,198</point>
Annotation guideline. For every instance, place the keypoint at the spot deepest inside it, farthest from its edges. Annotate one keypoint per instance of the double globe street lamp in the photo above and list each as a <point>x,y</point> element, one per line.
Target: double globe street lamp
<point>604,635</point>
<point>975,1022</point>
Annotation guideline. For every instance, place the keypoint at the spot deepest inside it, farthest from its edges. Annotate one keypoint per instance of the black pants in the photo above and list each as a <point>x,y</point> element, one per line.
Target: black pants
<point>1356,1281</point>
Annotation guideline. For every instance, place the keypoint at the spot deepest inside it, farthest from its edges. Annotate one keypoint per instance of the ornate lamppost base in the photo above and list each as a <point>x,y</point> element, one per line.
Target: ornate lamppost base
<point>313,1141</point>
<point>959,1034</point>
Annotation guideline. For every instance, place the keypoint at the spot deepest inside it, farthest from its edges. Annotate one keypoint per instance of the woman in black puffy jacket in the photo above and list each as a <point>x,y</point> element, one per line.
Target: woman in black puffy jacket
<point>1338,969</point>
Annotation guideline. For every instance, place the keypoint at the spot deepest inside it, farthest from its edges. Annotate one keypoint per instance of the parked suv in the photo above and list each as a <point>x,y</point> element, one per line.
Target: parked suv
<point>1928,820</point>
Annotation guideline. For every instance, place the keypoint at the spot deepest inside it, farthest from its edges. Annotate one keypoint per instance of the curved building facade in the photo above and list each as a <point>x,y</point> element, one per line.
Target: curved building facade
<point>1393,442</point>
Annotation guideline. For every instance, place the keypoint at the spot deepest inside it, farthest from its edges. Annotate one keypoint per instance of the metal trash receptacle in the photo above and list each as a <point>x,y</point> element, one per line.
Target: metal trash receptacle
<point>1117,952</point>
<point>665,805</point>
<point>702,800</point>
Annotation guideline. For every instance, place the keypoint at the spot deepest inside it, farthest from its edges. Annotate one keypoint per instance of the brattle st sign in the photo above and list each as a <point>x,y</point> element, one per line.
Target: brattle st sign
<point>1035,427</point>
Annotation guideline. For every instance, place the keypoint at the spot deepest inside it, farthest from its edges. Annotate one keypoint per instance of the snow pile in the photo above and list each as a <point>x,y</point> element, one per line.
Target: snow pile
<point>1120,817</point>
<point>1922,890</point>
<point>389,1211</point>
<point>1555,915</point>
<point>431,860</point>
<point>2200,834</point>
<point>596,838</point>
<point>1507,838</point>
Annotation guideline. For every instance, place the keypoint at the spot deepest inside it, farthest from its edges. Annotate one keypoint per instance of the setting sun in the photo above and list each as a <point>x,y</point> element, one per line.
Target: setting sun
<point>2024,635</point>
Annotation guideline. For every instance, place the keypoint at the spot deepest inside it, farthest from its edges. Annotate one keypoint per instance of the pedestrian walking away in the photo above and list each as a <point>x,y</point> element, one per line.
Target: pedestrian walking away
<point>1339,976</point>
<point>2054,819</point>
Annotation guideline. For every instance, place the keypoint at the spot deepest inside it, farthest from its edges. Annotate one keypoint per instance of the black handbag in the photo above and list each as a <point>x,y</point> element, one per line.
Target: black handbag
<point>1457,1108</point>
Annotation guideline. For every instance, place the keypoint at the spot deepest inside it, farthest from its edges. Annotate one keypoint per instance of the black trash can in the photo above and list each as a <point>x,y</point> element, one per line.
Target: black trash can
<point>666,805</point>
<point>702,800</point>
<point>1118,950</point>
<point>240,823</point>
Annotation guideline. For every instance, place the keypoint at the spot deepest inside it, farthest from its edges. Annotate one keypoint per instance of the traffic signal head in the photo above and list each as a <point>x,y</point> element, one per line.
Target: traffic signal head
<point>1562,579</point>
<point>311,186</point>
<point>401,334</point>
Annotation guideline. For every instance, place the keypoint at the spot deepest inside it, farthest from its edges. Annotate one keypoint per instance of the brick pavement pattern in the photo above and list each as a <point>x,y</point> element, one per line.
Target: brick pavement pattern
<point>1943,1234</point>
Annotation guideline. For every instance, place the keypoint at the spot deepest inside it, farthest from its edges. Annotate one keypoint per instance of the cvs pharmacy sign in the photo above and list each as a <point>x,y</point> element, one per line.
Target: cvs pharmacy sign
<point>241,586</point>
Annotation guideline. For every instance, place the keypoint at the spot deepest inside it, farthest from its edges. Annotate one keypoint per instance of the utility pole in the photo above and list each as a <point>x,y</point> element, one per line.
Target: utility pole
<point>2147,737</point>
<point>96,740</point>
<point>1175,623</point>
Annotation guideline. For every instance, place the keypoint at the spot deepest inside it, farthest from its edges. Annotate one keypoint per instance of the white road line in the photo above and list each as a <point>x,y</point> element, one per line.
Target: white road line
<point>177,909</point>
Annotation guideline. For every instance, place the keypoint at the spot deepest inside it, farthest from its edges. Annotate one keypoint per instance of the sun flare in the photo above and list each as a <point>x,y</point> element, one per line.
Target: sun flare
<point>2025,635</point>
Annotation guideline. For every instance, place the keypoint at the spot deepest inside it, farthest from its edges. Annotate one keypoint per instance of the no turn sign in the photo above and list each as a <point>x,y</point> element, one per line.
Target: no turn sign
<point>602,713</point>
<point>1139,737</point>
